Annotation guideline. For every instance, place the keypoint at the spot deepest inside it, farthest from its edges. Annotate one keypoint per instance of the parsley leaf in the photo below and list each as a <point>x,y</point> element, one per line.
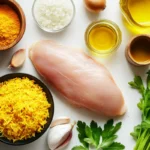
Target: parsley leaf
<point>137,84</point>
<point>79,148</point>
<point>115,146</point>
<point>96,132</point>
<point>108,142</point>
<point>89,139</point>
<point>94,136</point>
<point>81,129</point>
<point>136,133</point>
<point>109,129</point>
<point>93,133</point>
<point>108,134</point>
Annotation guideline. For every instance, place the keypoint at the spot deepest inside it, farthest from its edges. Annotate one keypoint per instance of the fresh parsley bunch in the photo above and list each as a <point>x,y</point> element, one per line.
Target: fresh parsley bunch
<point>141,132</point>
<point>94,136</point>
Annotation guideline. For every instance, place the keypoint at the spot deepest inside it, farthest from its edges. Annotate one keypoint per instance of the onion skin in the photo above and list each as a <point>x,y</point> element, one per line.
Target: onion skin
<point>95,5</point>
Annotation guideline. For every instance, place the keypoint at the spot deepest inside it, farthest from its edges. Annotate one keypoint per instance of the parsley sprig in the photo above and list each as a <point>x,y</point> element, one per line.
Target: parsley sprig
<point>141,132</point>
<point>95,136</point>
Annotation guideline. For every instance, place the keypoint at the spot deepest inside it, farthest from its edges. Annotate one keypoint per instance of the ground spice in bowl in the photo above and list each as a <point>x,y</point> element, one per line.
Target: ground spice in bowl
<point>9,25</point>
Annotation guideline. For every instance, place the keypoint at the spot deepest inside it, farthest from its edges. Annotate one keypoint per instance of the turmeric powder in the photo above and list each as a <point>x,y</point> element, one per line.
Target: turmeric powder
<point>9,25</point>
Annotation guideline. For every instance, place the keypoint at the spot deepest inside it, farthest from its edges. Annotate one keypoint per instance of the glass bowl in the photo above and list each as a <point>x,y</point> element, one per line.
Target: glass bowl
<point>49,30</point>
<point>110,25</point>
<point>51,109</point>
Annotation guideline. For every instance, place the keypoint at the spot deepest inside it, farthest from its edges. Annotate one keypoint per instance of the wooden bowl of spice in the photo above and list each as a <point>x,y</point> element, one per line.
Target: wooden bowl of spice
<point>12,24</point>
<point>138,50</point>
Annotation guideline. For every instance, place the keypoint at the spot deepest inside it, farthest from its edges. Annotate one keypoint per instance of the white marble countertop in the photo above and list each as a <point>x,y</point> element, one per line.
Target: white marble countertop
<point>73,36</point>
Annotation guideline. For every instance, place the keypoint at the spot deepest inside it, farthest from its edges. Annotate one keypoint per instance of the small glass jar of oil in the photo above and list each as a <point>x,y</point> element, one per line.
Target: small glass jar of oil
<point>103,37</point>
<point>136,14</point>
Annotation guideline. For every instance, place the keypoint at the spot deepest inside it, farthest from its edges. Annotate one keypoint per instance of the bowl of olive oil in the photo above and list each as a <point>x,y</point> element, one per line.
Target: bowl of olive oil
<point>103,37</point>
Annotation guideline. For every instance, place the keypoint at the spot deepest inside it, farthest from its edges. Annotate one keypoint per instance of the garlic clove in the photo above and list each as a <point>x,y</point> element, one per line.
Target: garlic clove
<point>65,143</point>
<point>58,135</point>
<point>59,121</point>
<point>18,59</point>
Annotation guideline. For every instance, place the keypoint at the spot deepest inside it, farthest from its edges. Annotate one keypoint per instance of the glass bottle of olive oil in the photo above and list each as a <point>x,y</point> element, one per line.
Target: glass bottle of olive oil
<point>137,14</point>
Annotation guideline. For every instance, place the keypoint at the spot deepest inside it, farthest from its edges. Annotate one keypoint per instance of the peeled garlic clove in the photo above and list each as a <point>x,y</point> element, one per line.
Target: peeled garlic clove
<point>18,59</point>
<point>58,135</point>
<point>59,121</point>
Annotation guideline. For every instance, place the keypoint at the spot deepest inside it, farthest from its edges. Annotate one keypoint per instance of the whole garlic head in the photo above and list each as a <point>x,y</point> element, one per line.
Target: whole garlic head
<point>59,135</point>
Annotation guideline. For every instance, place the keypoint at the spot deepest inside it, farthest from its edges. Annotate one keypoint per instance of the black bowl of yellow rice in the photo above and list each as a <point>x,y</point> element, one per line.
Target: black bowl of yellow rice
<point>26,109</point>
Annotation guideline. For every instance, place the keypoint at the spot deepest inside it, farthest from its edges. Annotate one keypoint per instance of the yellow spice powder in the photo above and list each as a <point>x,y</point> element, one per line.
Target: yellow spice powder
<point>9,25</point>
<point>23,109</point>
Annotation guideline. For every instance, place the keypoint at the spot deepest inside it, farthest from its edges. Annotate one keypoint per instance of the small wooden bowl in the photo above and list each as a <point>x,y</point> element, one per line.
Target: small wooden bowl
<point>128,50</point>
<point>17,8</point>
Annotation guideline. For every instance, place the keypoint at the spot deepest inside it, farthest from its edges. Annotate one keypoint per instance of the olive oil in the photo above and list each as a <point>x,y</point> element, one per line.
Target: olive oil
<point>102,38</point>
<point>137,15</point>
<point>140,11</point>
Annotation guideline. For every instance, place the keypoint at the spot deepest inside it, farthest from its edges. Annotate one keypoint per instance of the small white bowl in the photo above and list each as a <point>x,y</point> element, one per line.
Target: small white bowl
<point>49,30</point>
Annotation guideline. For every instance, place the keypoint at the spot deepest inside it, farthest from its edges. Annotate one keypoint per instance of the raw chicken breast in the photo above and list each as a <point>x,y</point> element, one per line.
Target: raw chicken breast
<point>80,79</point>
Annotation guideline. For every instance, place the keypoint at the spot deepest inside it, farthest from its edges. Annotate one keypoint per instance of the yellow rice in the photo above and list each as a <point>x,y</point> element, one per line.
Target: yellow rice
<point>23,109</point>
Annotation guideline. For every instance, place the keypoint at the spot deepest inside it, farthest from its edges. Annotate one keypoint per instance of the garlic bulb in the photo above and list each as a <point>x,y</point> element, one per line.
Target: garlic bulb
<point>60,133</point>
<point>18,59</point>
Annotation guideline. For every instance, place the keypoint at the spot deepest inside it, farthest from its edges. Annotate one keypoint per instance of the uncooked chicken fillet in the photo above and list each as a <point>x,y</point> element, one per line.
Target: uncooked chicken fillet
<point>80,79</point>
